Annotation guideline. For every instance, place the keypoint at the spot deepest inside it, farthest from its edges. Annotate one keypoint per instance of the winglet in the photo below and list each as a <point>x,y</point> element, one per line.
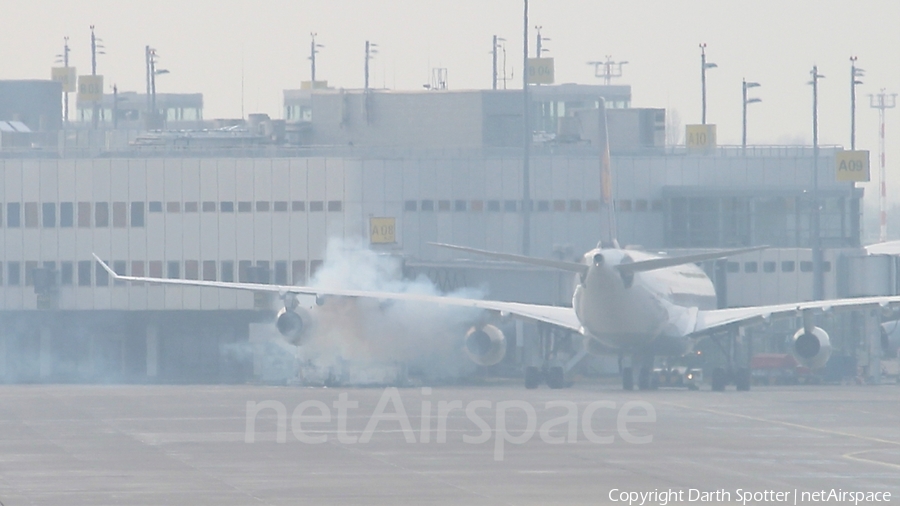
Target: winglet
<point>106,267</point>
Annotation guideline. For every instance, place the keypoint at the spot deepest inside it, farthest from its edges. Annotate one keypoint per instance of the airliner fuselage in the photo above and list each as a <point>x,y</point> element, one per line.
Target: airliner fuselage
<point>636,311</point>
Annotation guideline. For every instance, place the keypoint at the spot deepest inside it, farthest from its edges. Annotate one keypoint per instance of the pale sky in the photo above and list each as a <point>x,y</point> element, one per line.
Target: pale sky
<point>208,45</point>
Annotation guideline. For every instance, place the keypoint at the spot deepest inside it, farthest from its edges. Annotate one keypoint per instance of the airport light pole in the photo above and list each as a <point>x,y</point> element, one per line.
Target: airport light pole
<point>494,63</point>
<point>371,51</point>
<point>313,49</point>
<point>703,66</point>
<point>96,48</point>
<point>745,85</point>
<point>818,281</point>
<point>855,73</point>
<point>526,141</point>
<point>64,59</point>
<point>607,73</point>
<point>882,102</point>
<point>152,59</point>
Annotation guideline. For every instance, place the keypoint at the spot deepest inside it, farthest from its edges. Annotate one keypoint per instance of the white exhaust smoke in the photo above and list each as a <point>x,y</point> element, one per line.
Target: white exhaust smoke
<point>369,333</point>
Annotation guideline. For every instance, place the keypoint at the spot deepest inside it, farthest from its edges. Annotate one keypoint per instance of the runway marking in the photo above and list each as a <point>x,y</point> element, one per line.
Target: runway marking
<point>786,424</point>
<point>852,456</point>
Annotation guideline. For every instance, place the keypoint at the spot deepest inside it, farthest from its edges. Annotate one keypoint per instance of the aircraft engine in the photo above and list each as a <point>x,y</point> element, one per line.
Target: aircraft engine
<point>890,338</point>
<point>485,345</point>
<point>811,349</point>
<point>294,325</point>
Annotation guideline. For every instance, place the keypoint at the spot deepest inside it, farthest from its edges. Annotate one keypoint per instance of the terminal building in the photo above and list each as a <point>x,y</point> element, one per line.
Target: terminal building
<point>441,166</point>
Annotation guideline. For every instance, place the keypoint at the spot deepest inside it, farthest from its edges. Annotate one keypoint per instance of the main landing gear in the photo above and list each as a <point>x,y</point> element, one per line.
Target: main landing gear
<point>645,372</point>
<point>551,346</point>
<point>731,373</point>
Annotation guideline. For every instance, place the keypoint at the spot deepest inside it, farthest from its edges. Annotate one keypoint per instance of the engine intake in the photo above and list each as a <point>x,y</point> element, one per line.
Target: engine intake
<point>812,349</point>
<point>294,325</point>
<point>485,345</point>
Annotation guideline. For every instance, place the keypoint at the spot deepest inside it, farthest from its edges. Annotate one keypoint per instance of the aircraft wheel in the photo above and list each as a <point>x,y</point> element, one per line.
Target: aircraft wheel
<point>556,378</point>
<point>742,379</point>
<point>627,378</point>
<point>644,382</point>
<point>532,377</point>
<point>719,379</point>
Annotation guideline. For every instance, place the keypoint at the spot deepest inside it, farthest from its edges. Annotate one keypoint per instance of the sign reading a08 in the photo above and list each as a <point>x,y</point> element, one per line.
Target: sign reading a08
<point>540,71</point>
<point>382,230</point>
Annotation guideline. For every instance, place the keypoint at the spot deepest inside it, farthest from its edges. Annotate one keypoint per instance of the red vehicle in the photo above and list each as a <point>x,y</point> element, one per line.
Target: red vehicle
<point>778,369</point>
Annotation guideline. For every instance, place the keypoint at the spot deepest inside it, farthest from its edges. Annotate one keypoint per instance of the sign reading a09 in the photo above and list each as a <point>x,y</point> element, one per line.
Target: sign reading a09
<point>540,71</point>
<point>90,88</point>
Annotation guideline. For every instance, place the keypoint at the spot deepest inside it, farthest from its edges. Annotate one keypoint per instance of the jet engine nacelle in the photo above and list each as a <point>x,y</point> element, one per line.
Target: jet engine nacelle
<point>890,338</point>
<point>811,349</point>
<point>485,345</point>
<point>294,325</point>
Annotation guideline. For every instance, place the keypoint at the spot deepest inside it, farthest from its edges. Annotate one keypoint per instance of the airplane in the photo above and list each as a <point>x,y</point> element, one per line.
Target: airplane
<point>631,303</point>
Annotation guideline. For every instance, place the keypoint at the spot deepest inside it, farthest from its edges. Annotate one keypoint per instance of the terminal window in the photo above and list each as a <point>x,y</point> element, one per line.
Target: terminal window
<point>806,266</point>
<point>31,214</point>
<point>101,277</point>
<point>137,214</point>
<point>191,207</point>
<point>335,206</point>
<point>510,206</point>
<point>173,207</point>
<point>84,215</point>
<point>244,271</point>
<point>137,268</point>
<point>459,205</point>
<point>298,206</point>
<point>751,267</point>
<point>84,273</point>
<point>428,205</point>
<point>226,207</point>
<point>298,272</point>
<point>559,205</point>
<point>209,270</point>
<point>173,270</point>
<point>281,272</point>
<point>191,269</point>
<point>281,206</point>
<point>769,267</point>
<point>48,210</point>
<point>101,214</point>
<point>788,266</point>
<point>594,205</point>
<point>65,273</point>
<point>13,218</point>
<point>316,206</point>
<point>14,273</point>
<point>119,218</point>
<point>410,205</point>
<point>575,206</point>
<point>66,214</point>
<point>640,205</point>
<point>443,205</point>
<point>543,206</point>
<point>227,271</point>
<point>154,206</point>
<point>477,206</point>
<point>30,266</point>
<point>208,207</point>
<point>262,206</point>
<point>245,207</point>
<point>154,269</point>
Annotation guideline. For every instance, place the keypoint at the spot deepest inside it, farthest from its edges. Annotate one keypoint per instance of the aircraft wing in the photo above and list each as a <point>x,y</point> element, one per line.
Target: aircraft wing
<point>555,315</point>
<point>715,320</point>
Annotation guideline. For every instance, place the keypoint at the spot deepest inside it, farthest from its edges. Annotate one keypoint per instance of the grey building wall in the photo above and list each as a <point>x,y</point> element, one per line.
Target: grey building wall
<point>37,103</point>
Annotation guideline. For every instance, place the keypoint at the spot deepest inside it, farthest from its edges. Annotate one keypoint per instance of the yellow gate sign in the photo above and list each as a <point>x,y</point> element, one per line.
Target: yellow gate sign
<point>382,230</point>
<point>65,76</point>
<point>540,71</point>
<point>90,88</point>
<point>851,166</point>
<point>700,138</point>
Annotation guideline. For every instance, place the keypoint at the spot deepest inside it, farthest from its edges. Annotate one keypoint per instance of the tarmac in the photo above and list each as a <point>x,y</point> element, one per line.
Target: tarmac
<point>474,445</point>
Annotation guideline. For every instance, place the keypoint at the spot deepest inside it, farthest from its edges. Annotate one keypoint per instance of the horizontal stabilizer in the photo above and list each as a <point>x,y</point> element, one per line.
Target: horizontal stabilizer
<point>542,262</point>
<point>662,262</point>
